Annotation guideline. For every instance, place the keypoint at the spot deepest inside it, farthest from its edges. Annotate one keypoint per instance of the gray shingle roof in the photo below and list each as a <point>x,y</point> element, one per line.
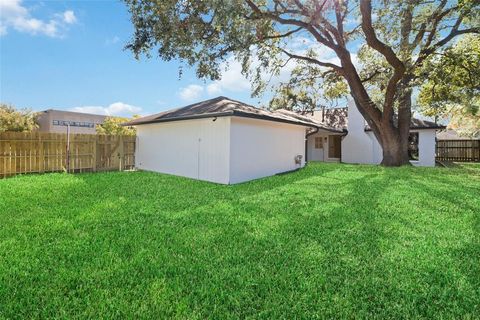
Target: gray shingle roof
<point>417,124</point>
<point>221,107</point>
<point>338,118</point>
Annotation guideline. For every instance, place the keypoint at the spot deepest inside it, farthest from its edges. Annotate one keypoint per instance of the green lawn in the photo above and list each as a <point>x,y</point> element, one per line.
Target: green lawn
<point>330,240</point>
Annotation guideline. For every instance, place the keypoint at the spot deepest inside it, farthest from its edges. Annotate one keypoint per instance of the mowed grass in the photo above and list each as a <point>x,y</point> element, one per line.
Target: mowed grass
<point>331,240</point>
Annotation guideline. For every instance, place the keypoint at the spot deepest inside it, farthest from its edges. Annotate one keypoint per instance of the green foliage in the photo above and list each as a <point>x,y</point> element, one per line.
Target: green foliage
<point>206,33</point>
<point>113,126</point>
<point>397,37</point>
<point>453,77</point>
<point>328,241</point>
<point>19,120</point>
<point>465,120</point>
<point>309,88</point>
<point>452,86</point>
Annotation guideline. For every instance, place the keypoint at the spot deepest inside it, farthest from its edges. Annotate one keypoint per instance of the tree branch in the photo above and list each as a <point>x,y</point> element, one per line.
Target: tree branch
<point>275,16</point>
<point>284,35</point>
<point>339,18</point>
<point>373,75</point>
<point>387,52</point>
<point>313,60</point>
<point>455,32</point>
<point>371,37</point>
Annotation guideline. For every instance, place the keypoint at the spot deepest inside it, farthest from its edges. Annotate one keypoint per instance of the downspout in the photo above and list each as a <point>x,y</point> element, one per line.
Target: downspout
<point>306,143</point>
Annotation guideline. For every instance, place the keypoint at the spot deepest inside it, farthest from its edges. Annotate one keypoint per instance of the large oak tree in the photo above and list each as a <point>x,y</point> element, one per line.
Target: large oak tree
<point>402,34</point>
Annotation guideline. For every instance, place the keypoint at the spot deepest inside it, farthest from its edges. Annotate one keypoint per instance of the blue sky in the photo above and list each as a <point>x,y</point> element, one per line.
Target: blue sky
<point>69,55</point>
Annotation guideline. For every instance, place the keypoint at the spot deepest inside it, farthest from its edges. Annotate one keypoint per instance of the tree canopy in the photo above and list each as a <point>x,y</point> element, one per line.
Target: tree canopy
<point>19,120</point>
<point>113,126</point>
<point>452,87</point>
<point>393,39</point>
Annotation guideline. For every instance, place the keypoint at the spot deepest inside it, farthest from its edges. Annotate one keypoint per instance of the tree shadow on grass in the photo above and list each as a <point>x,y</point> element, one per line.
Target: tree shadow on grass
<point>345,257</point>
<point>331,241</point>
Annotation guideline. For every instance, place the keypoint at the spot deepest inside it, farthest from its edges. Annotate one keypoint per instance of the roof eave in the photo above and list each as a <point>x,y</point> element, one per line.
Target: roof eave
<point>269,118</point>
<point>192,117</point>
<point>226,114</point>
<point>419,128</point>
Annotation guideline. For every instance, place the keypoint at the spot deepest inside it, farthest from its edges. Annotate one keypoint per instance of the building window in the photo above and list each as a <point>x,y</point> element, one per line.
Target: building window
<point>73,124</point>
<point>318,143</point>
<point>413,146</point>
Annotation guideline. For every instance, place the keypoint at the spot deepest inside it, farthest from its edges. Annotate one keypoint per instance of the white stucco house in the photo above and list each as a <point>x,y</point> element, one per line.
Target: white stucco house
<point>226,141</point>
<point>222,140</point>
<point>358,144</point>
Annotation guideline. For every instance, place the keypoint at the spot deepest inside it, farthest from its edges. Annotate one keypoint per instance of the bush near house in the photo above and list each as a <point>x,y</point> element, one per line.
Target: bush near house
<point>330,240</point>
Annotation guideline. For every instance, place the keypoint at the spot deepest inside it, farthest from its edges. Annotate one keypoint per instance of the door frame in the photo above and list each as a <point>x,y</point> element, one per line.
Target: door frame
<point>334,145</point>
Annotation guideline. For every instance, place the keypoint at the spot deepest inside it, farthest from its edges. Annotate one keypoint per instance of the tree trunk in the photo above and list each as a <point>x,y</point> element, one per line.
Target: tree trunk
<point>391,135</point>
<point>395,151</point>
<point>404,116</point>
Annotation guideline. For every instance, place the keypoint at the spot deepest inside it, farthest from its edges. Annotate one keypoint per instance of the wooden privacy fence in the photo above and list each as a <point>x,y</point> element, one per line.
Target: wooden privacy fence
<point>458,150</point>
<point>47,152</point>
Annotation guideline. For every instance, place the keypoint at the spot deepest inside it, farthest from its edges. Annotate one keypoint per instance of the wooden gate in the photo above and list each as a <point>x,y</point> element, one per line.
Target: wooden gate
<point>47,152</point>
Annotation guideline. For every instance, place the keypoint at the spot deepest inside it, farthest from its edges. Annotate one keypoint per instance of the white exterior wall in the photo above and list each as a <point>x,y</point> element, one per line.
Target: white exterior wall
<point>357,146</point>
<point>260,148</point>
<point>426,148</point>
<point>360,146</point>
<point>320,154</point>
<point>316,154</point>
<point>377,151</point>
<point>196,149</point>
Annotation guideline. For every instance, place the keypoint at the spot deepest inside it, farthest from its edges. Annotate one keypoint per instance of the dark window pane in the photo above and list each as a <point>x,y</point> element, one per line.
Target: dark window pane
<point>413,146</point>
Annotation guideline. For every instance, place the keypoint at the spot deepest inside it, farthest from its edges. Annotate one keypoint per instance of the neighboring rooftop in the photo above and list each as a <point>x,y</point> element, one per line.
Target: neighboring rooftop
<point>332,117</point>
<point>450,134</point>
<point>418,124</point>
<point>72,113</point>
<point>222,107</point>
<point>338,118</point>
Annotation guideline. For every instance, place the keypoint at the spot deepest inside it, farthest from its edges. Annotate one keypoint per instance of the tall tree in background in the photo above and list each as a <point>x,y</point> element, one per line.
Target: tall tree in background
<point>400,34</point>
<point>452,87</point>
<point>113,126</point>
<point>19,120</point>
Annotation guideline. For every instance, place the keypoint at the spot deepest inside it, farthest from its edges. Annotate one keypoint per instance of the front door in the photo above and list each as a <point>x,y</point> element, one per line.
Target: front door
<point>334,146</point>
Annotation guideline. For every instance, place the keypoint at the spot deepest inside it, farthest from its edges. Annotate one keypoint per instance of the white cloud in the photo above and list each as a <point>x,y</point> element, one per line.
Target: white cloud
<point>191,92</point>
<point>114,109</point>
<point>232,79</point>
<point>69,17</point>
<point>214,88</point>
<point>14,15</point>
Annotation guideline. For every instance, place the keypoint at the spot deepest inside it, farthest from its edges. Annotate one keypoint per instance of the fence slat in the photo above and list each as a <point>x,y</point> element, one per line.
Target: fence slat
<point>46,152</point>
<point>458,150</point>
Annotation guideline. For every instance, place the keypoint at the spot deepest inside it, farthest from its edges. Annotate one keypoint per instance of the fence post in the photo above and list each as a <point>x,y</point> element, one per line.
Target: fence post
<point>94,154</point>
<point>478,154</point>
<point>41,154</point>
<point>121,153</point>
<point>68,149</point>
